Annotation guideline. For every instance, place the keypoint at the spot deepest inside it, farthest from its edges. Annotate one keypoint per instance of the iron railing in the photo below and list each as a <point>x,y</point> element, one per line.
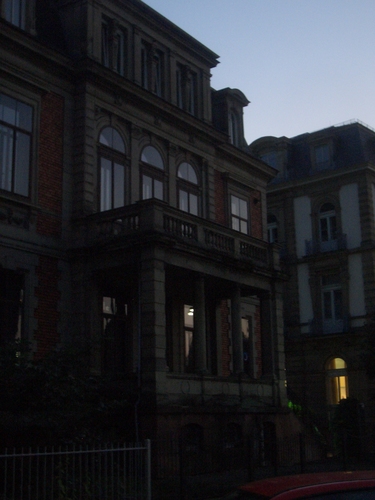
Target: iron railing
<point>77,473</point>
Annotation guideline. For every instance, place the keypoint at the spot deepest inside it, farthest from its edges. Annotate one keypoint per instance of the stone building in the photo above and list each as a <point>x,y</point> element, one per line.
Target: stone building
<point>132,216</point>
<point>321,211</point>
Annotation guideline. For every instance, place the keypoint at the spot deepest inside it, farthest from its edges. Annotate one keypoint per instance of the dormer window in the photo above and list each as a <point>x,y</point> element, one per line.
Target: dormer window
<point>322,157</point>
<point>234,128</point>
<point>227,112</point>
<point>270,158</point>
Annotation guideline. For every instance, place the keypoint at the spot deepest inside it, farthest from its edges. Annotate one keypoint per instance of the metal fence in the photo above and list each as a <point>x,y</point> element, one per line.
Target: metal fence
<point>77,473</point>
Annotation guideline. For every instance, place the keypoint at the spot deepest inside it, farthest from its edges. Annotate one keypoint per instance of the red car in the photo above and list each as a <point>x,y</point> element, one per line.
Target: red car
<point>357,485</point>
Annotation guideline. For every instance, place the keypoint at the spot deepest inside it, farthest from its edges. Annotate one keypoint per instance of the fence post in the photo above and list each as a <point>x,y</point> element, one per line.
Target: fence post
<point>250,458</point>
<point>275,455</point>
<point>148,468</point>
<point>181,446</point>
<point>302,452</point>
<point>345,449</point>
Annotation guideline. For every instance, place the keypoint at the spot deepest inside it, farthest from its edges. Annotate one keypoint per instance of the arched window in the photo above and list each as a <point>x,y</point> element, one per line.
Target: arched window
<point>152,174</point>
<point>112,169</point>
<point>272,229</point>
<point>188,189</point>
<point>327,222</point>
<point>337,381</point>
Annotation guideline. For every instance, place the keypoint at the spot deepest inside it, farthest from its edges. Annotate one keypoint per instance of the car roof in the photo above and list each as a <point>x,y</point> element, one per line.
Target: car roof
<point>309,483</point>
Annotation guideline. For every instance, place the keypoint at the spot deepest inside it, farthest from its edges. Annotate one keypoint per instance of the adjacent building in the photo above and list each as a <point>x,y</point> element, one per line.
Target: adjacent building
<point>133,217</point>
<point>321,212</point>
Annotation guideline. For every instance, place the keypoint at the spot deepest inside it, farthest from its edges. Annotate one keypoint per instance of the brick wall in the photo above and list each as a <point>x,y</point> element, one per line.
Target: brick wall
<point>50,166</point>
<point>256,214</point>
<point>47,311</point>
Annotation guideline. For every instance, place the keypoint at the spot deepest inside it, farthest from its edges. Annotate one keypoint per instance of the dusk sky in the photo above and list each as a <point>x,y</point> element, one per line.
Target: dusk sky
<point>304,64</point>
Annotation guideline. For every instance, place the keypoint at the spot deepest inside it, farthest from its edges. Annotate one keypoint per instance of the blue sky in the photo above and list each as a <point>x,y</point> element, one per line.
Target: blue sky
<point>304,64</point>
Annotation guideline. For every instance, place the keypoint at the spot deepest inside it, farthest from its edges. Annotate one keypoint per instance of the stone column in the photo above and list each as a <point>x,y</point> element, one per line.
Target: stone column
<point>152,318</point>
<point>273,356</point>
<point>237,345</point>
<point>199,339</point>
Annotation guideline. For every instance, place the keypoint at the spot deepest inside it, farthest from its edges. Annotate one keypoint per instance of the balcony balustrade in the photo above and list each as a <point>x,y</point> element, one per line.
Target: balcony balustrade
<point>153,217</point>
<point>315,246</point>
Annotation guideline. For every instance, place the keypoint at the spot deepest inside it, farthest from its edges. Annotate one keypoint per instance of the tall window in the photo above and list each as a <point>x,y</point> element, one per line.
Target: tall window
<point>233,126</point>
<point>11,305</point>
<point>332,303</point>
<point>188,189</point>
<point>180,86</point>
<point>112,169</point>
<point>145,65</point>
<point>248,346</point>
<point>152,173</point>
<point>337,380</point>
<point>152,69</point>
<point>192,93</point>
<point>239,214</point>
<point>157,73</point>
<point>272,229</point>
<point>187,89</point>
<point>15,12</point>
<point>116,336</point>
<point>16,120</point>
<point>113,47</point>
<point>327,222</point>
<point>188,337</point>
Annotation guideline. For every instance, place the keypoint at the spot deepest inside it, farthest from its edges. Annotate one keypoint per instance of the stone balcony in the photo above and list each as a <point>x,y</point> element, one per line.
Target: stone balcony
<point>156,219</point>
<point>315,246</point>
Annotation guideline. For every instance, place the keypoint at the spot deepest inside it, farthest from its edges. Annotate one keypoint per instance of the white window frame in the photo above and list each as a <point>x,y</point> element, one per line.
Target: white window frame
<point>332,304</point>
<point>240,219</point>
<point>188,189</point>
<point>152,167</point>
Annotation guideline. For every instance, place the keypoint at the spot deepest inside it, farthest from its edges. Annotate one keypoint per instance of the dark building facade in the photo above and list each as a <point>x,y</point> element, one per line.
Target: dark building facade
<point>133,217</point>
<point>321,212</point>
